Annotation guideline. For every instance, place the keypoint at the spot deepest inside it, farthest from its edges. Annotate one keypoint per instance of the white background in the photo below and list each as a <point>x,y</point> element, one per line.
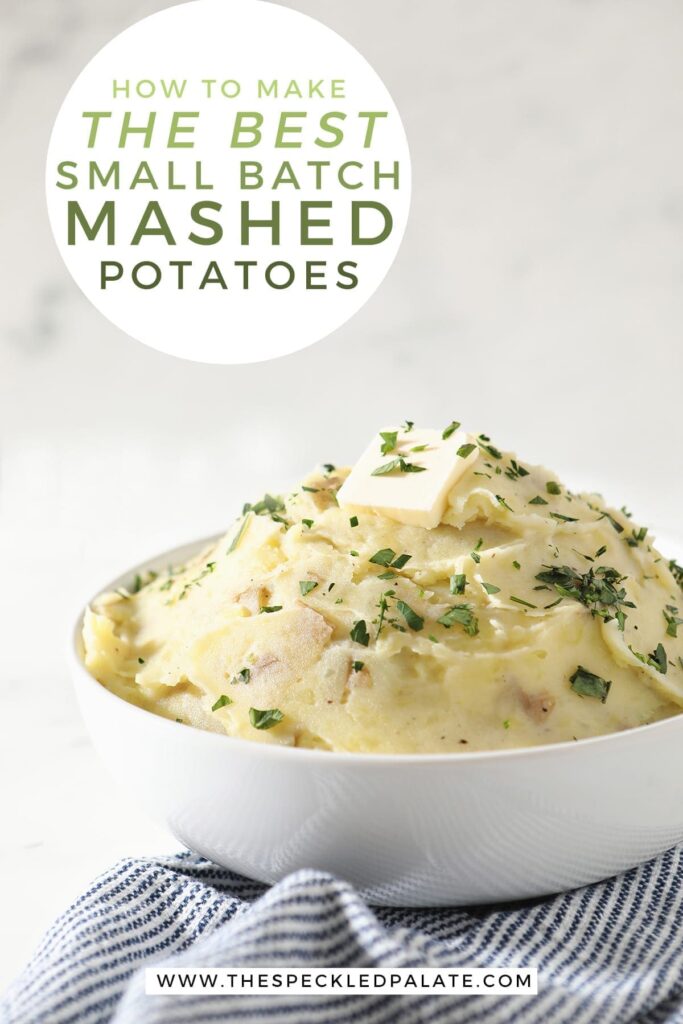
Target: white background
<point>537,295</point>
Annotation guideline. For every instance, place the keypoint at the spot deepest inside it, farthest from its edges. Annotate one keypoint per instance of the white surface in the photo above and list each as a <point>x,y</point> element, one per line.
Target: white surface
<point>411,830</point>
<point>536,296</point>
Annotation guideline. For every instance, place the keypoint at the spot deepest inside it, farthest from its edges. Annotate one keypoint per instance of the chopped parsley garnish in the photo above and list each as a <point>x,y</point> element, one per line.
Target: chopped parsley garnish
<point>503,502</point>
<point>357,665</point>
<point>506,723</point>
<point>408,426</point>
<point>606,515</point>
<point>414,620</point>
<point>265,719</point>
<point>141,661</point>
<point>637,536</point>
<point>359,633</point>
<point>306,586</point>
<point>222,702</point>
<point>458,582</point>
<point>399,562</point>
<point>353,521</point>
<point>672,620</point>
<point>310,490</point>
<point>616,525</point>
<point>267,506</point>
<point>676,571</point>
<point>464,616</point>
<point>516,564</point>
<point>388,575</point>
<point>600,552</point>
<point>419,448</point>
<point>490,588</point>
<point>450,429</point>
<point>308,523</point>
<point>587,684</point>
<point>519,600</point>
<point>139,582</point>
<point>538,500</point>
<point>466,449</point>
<point>657,659</point>
<point>243,676</point>
<point>483,440</point>
<point>553,488</point>
<point>389,438</point>
<point>328,467</point>
<point>238,536</point>
<point>388,558</point>
<point>197,581</point>
<point>354,554</point>
<point>383,606</point>
<point>563,519</point>
<point>598,589</point>
<point>514,470</point>
<point>384,556</point>
<point>268,609</point>
<point>474,554</point>
<point>399,464</point>
<point>388,467</point>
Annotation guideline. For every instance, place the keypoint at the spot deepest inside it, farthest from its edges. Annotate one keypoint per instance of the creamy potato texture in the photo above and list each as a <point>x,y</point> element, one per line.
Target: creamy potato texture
<point>529,615</point>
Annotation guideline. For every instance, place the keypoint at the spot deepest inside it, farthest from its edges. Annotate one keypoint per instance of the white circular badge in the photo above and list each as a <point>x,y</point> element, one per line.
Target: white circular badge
<point>228,181</point>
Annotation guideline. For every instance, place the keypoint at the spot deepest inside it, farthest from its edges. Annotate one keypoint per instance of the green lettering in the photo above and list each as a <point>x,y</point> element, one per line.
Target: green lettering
<point>75,215</point>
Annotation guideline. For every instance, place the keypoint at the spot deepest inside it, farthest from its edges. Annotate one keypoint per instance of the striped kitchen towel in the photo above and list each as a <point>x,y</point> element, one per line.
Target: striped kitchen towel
<point>611,952</point>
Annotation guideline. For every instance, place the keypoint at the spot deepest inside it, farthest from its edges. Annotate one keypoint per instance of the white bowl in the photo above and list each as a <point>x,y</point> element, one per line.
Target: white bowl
<point>417,830</point>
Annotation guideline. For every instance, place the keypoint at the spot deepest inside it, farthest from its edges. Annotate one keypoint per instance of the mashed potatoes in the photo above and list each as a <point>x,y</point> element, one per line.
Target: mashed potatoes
<point>530,615</point>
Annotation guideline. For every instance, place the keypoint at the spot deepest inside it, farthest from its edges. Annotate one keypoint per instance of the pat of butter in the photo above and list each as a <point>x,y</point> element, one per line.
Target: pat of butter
<point>414,498</point>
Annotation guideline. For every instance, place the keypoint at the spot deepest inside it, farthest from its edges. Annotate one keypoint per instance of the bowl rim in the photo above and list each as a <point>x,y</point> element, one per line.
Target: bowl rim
<point>348,757</point>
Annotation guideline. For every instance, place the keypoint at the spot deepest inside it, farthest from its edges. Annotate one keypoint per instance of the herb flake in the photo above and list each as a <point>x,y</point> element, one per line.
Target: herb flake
<point>389,439</point>
<point>464,616</point>
<point>414,620</point>
<point>359,633</point>
<point>656,660</point>
<point>400,465</point>
<point>458,582</point>
<point>587,684</point>
<point>222,702</point>
<point>265,719</point>
<point>598,589</point>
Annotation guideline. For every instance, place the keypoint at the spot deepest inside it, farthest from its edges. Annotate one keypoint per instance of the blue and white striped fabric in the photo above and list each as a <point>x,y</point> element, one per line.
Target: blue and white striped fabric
<point>612,952</point>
